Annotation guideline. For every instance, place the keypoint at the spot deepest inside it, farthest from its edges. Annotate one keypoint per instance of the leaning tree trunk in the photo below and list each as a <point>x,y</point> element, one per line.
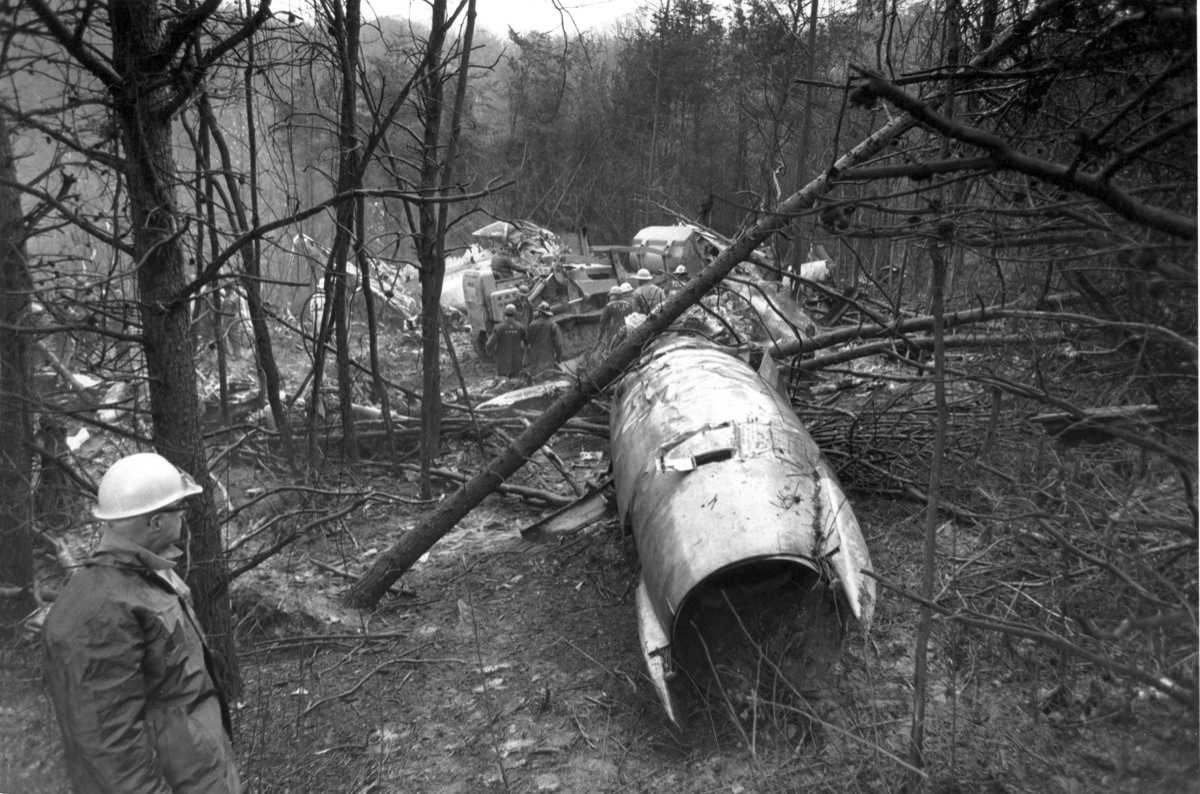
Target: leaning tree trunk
<point>145,122</point>
<point>16,421</point>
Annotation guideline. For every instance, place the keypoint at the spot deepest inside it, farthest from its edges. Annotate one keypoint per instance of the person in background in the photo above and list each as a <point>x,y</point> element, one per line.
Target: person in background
<point>558,289</point>
<point>612,319</point>
<point>544,343</point>
<point>503,266</point>
<point>648,296</point>
<point>127,667</point>
<point>679,279</point>
<point>524,307</point>
<point>506,345</point>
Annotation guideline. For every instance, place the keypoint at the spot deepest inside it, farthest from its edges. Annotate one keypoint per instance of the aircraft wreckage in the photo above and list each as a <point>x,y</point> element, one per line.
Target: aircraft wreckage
<point>739,522</point>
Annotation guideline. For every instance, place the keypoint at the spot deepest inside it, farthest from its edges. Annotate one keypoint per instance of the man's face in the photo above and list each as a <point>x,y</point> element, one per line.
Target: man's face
<point>159,530</point>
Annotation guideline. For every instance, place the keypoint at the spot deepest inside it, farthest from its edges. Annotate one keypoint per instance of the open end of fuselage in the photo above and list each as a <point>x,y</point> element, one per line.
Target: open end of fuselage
<point>759,634</point>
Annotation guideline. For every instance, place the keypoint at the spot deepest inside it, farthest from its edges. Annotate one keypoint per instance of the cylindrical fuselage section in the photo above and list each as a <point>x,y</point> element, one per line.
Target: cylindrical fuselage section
<point>712,470</point>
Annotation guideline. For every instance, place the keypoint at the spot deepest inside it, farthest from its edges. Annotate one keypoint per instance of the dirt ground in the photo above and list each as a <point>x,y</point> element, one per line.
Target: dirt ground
<point>500,664</point>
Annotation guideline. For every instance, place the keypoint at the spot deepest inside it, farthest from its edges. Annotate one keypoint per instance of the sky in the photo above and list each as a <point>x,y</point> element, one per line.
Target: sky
<point>497,16</point>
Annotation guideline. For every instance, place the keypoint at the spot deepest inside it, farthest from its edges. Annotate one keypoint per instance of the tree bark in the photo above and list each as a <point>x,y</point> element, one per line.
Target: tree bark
<point>16,420</point>
<point>349,177</point>
<point>344,25</point>
<point>802,151</point>
<point>429,248</point>
<point>140,106</point>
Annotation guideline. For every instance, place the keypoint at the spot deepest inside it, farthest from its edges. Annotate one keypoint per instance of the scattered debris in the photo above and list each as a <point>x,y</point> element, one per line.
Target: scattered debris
<point>594,505</point>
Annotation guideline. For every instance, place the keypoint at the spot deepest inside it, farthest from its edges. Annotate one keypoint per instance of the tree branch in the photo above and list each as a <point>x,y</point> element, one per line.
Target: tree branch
<point>74,45</point>
<point>181,30</point>
<point>416,197</point>
<point>967,617</point>
<point>1005,156</point>
<point>917,171</point>
<point>76,219</point>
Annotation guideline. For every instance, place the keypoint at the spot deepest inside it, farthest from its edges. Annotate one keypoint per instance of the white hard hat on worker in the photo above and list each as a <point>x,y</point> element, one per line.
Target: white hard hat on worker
<point>140,484</point>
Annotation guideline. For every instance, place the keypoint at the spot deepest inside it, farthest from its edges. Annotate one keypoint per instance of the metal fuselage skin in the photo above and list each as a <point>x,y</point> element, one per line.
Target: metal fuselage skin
<point>714,471</point>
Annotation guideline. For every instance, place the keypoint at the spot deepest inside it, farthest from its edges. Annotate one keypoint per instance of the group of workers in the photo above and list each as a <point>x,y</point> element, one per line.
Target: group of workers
<point>624,300</point>
<point>527,351</point>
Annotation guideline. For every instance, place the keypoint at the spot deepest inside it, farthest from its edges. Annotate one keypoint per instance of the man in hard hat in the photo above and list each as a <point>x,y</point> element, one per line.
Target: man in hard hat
<point>524,307</point>
<point>544,342</point>
<point>127,666</point>
<point>648,296</point>
<point>506,345</point>
<point>612,319</point>
<point>558,288</point>
<point>679,278</point>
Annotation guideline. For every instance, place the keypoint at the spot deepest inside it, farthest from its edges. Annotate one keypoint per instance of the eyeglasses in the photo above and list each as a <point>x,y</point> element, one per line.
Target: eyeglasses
<point>171,510</point>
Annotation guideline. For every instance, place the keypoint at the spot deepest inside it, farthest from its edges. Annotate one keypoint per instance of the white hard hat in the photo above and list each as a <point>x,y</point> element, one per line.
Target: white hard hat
<point>681,270</point>
<point>510,308</point>
<point>643,275</point>
<point>140,484</point>
<point>615,289</point>
<point>626,287</point>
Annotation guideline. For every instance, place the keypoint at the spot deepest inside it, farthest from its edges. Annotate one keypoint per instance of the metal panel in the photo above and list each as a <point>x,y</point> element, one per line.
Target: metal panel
<point>714,471</point>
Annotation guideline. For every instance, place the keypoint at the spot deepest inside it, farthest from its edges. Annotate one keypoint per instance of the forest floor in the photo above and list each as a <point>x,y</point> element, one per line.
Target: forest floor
<point>502,664</point>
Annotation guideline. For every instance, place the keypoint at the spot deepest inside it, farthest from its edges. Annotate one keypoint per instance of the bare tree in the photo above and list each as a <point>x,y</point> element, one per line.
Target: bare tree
<point>16,418</point>
<point>428,216</point>
<point>149,77</point>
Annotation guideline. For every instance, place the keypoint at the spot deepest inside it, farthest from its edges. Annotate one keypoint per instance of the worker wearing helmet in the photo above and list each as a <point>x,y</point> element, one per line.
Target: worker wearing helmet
<point>648,296</point>
<point>545,343</point>
<point>521,301</point>
<point>128,670</point>
<point>679,279</point>
<point>612,319</point>
<point>506,345</point>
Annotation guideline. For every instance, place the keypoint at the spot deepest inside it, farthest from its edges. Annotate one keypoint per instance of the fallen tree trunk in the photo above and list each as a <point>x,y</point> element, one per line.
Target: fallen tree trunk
<point>886,346</point>
<point>523,491</point>
<point>851,333</point>
<point>390,565</point>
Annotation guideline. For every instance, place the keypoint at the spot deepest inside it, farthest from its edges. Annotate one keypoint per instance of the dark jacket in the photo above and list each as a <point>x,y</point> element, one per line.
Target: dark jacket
<point>132,680</point>
<point>544,345</point>
<point>612,321</point>
<point>648,297</point>
<point>507,346</point>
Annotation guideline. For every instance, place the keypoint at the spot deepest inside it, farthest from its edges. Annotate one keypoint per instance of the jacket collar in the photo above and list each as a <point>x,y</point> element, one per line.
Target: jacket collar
<point>123,550</point>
